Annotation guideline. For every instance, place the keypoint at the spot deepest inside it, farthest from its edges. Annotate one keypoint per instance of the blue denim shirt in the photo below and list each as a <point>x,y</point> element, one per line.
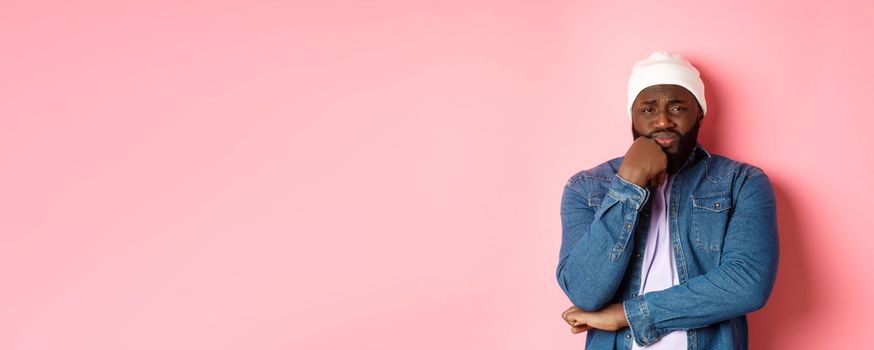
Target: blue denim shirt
<point>723,231</point>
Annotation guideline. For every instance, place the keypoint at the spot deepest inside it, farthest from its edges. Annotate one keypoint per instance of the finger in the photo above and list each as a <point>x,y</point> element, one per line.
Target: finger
<point>580,329</point>
<point>564,314</point>
<point>573,320</point>
<point>568,312</point>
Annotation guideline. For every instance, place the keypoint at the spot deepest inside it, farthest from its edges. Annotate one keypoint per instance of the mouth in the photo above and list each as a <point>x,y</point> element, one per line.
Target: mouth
<point>665,139</point>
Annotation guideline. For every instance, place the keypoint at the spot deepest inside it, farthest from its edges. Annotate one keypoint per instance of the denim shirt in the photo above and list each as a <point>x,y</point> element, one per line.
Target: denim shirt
<point>723,231</point>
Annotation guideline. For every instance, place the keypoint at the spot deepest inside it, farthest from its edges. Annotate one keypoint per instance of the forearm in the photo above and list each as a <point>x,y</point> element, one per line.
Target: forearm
<point>732,290</point>
<point>595,243</point>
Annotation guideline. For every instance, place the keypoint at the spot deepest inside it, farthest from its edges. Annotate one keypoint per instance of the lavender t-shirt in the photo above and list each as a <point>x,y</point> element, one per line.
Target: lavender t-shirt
<point>659,270</point>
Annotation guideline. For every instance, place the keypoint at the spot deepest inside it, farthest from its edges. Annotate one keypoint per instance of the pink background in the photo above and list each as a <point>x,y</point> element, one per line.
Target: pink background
<point>387,174</point>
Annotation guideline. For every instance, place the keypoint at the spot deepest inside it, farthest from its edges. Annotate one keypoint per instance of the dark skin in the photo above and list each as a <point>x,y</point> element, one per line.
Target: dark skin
<point>665,121</point>
<point>665,116</point>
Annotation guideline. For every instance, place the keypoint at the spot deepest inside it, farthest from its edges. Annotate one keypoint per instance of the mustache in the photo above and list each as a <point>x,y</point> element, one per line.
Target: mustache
<point>665,132</point>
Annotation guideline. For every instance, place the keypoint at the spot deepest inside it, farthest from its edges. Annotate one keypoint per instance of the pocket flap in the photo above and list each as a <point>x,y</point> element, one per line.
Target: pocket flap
<point>595,199</point>
<point>716,202</point>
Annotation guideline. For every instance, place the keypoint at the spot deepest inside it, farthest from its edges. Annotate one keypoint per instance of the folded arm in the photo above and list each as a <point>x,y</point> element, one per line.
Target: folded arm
<point>741,284</point>
<point>596,241</point>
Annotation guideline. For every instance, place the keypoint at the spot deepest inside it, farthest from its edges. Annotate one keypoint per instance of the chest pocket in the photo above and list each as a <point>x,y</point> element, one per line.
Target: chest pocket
<point>710,214</point>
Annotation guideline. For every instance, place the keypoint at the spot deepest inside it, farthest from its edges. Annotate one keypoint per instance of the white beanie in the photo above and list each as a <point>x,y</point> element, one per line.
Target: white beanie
<point>665,68</point>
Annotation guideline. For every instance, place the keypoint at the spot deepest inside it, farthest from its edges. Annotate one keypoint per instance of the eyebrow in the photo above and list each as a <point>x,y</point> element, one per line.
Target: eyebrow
<point>670,101</point>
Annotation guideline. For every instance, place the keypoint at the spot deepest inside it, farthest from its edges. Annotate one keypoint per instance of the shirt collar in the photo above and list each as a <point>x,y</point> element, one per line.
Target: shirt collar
<point>697,154</point>
<point>702,152</point>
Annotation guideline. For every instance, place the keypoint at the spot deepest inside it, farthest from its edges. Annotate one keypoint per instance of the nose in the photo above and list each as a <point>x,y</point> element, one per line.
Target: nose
<point>663,121</point>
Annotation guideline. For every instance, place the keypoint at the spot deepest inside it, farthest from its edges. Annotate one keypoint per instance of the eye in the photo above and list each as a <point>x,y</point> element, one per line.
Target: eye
<point>647,109</point>
<point>678,109</point>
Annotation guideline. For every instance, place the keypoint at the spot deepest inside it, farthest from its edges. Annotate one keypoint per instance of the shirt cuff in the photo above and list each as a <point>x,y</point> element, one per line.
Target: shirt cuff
<point>639,321</point>
<point>628,192</point>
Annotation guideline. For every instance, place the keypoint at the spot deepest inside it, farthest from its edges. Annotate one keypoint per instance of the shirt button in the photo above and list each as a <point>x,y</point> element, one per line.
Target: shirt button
<point>628,336</point>
<point>638,255</point>
<point>634,295</point>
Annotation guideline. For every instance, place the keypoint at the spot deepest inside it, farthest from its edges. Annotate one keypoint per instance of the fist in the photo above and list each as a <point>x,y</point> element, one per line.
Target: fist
<point>644,163</point>
<point>571,316</point>
<point>610,318</point>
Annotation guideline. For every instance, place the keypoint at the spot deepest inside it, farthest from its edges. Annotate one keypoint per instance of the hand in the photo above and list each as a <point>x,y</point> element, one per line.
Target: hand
<point>569,317</point>
<point>610,318</point>
<point>644,163</point>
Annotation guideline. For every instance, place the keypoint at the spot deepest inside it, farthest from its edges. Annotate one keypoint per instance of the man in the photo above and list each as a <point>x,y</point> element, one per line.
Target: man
<point>668,247</point>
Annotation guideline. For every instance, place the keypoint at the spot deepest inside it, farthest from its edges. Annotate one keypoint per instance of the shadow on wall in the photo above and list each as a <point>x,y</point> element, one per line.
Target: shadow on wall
<point>708,136</point>
<point>792,298</point>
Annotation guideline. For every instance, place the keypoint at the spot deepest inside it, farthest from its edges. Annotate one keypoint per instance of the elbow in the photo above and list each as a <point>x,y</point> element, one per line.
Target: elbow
<point>754,299</point>
<point>761,294</point>
<point>580,294</point>
<point>755,287</point>
<point>757,300</point>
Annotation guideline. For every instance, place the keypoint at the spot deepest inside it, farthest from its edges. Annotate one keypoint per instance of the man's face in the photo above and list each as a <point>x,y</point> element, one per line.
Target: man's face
<point>670,115</point>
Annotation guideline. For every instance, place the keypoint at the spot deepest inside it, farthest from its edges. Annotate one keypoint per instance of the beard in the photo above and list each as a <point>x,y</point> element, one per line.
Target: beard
<point>685,144</point>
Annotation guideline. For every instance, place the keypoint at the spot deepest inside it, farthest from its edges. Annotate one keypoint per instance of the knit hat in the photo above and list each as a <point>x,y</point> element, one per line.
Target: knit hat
<point>665,68</point>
